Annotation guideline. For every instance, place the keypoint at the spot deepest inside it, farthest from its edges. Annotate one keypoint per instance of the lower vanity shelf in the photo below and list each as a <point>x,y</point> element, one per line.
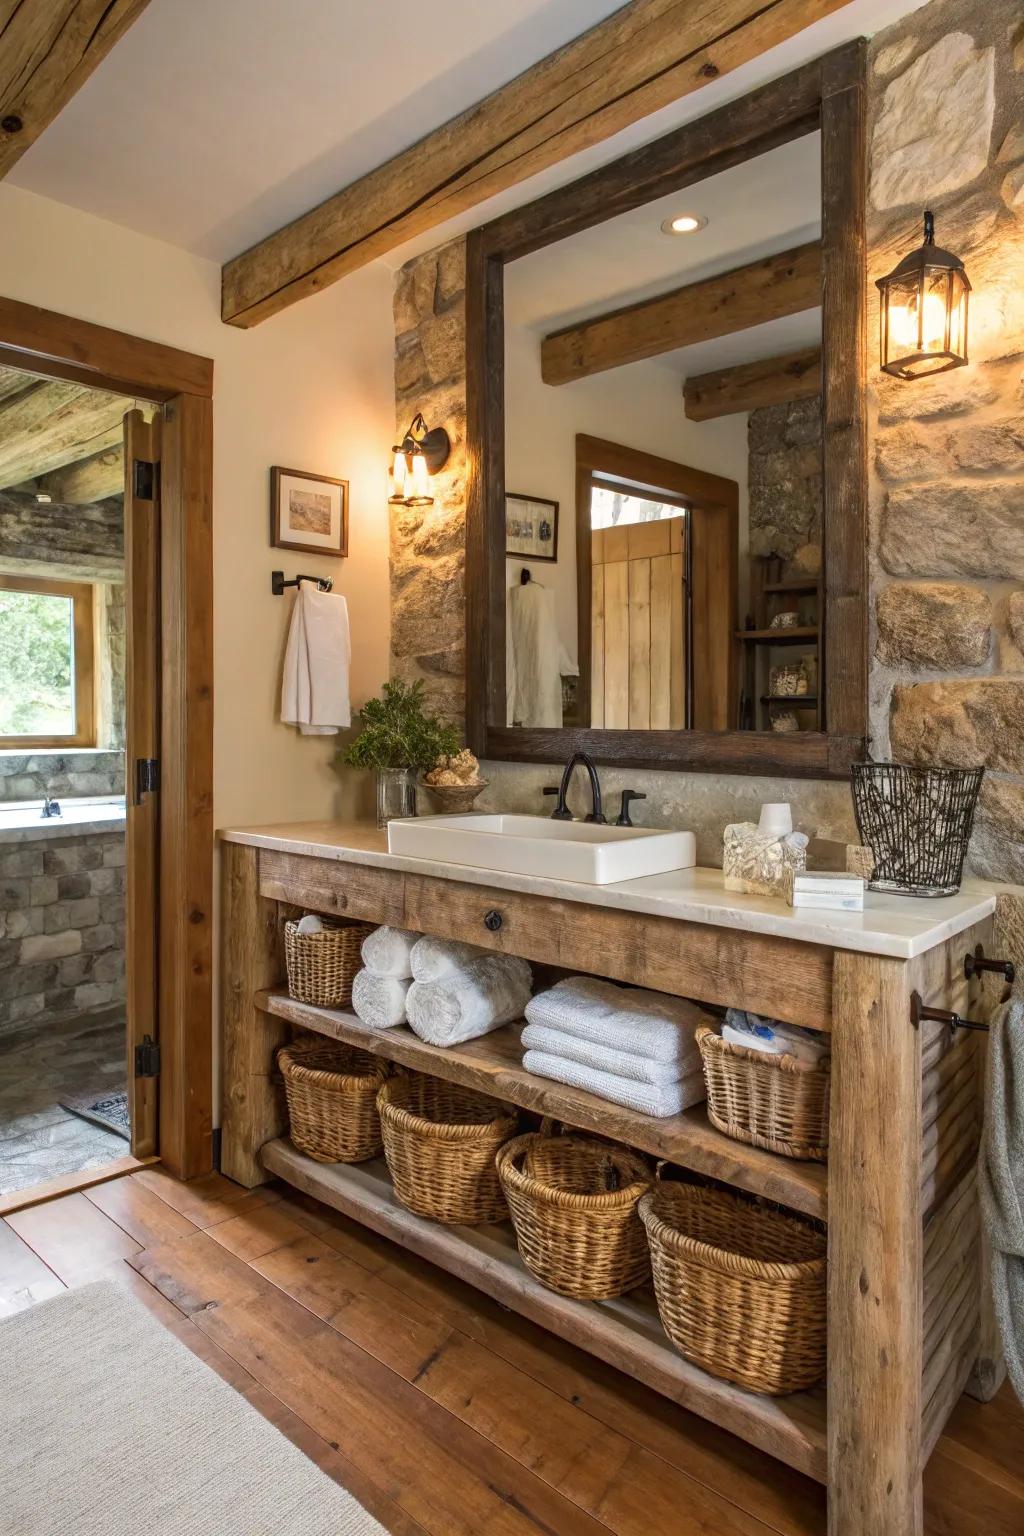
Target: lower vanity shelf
<point>625,1333</point>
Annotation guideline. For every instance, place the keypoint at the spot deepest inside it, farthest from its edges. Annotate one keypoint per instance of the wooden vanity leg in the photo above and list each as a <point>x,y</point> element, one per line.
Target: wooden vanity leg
<point>250,961</point>
<point>875,1303</point>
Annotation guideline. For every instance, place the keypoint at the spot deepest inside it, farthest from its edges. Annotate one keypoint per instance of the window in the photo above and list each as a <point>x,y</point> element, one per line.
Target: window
<point>47,689</point>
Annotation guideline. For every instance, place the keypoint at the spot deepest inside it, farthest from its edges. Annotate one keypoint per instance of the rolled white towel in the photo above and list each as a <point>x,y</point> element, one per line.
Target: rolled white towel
<point>485,994</point>
<point>603,1058</point>
<point>649,1024</point>
<point>433,958</point>
<point>380,1001</point>
<point>386,952</point>
<point>656,1099</point>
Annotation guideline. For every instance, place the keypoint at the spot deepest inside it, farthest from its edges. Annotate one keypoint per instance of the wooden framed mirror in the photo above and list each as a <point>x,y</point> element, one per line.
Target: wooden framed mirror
<point>634,382</point>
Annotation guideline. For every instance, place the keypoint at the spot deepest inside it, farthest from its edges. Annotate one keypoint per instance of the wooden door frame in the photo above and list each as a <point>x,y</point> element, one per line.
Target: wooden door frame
<point>826,95</point>
<point>182,383</point>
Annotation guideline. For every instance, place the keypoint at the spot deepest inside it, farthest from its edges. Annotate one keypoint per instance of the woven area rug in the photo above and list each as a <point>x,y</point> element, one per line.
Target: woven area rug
<point>107,1109</point>
<point>111,1427</point>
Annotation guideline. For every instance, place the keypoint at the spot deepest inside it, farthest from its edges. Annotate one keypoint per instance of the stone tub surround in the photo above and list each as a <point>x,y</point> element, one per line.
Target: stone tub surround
<point>62,923</point>
<point>900,926</point>
<point>79,771</point>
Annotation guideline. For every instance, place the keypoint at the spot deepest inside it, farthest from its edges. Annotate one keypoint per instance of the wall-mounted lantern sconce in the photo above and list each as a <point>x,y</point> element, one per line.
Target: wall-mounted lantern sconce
<point>924,311</point>
<point>421,453</point>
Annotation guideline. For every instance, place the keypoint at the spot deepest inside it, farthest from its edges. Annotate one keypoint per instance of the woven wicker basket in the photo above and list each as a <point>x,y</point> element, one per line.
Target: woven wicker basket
<point>573,1204</point>
<point>331,1091</point>
<point>774,1102</point>
<point>440,1141</point>
<point>740,1287</point>
<point>322,966</point>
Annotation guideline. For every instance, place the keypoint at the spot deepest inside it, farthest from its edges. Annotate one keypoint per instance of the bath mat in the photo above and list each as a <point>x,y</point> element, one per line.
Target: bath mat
<point>112,1427</point>
<point>107,1109</point>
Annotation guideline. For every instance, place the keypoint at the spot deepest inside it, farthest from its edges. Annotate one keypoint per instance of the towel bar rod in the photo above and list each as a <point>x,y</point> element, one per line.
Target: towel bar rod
<point>278,583</point>
<point>919,1014</point>
<point>977,962</point>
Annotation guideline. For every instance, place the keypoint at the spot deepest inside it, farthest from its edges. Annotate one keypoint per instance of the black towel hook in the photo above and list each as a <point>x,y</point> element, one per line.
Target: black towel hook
<point>278,583</point>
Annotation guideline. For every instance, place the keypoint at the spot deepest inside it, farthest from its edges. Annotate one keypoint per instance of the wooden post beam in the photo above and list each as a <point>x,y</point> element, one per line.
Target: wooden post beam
<point>647,54</point>
<point>48,50</point>
<point>732,301</point>
<point>772,381</point>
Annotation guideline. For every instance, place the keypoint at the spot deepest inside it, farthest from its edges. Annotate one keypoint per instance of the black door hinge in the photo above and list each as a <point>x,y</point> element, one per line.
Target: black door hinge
<point>147,1058</point>
<point>145,479</point>
<point>147,777</point>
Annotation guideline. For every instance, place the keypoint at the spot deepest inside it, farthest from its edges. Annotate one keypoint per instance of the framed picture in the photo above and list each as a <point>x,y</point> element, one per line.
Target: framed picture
<point>531,527</point>
<point>308,512</point>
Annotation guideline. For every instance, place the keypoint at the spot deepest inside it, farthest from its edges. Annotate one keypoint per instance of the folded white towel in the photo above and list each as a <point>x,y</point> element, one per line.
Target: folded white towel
<point>380,1001</point>
<point>314,684</point>
<point>388,951</point>
<point>482,996</point>
<point>433,958</point>
<point>649,1024</point>
<point>656,1099</point>
<point>603,1058</point>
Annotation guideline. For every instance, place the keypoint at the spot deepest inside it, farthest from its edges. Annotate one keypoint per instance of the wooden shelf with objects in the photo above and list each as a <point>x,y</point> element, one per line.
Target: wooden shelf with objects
<point>773,592</point>
<point>908,1326</point>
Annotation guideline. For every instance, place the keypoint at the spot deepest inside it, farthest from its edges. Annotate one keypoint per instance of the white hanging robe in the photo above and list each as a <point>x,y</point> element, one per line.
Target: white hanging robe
<point>535,658</point>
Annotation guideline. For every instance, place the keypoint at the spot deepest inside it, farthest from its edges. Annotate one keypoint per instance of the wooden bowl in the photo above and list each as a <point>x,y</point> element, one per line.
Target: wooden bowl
<point>451,799</point>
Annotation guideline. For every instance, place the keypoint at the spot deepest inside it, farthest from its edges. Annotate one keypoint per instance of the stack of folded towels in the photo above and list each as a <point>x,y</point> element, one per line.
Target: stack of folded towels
<point>445,991</point>
<point>633,1047</point>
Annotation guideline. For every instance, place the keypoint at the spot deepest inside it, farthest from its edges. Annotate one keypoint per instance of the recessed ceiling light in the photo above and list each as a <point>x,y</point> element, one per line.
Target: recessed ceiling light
<point>42,496</point>
<point>684,224</point>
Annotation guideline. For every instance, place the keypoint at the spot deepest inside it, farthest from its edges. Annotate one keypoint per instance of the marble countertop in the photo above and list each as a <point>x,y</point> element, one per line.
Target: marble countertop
<point>899,926</point>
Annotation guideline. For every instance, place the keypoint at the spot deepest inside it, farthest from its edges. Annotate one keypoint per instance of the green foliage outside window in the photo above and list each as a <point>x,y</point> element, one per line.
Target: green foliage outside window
<point>36,665</point>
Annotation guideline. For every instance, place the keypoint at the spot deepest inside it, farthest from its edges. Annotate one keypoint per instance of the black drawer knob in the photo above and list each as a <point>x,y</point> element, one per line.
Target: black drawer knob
<point>493,921</point>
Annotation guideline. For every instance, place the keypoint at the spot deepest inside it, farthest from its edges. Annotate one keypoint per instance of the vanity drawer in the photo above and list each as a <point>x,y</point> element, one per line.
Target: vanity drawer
<point>715,965</point>
<point>329,885</point>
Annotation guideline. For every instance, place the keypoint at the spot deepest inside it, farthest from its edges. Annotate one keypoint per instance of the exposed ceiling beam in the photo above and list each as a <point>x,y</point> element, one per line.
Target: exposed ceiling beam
<point>53,423</point>
<point>644,56</point>
<point>772,381</point>
<point>732,301</point>
<point>85,481</point>
<point>48,49</point>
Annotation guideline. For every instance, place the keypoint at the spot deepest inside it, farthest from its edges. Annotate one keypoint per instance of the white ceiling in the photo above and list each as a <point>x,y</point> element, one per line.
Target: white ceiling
<point>214,122</point>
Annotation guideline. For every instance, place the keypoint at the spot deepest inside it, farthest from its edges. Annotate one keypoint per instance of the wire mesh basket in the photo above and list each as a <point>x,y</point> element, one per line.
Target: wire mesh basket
<point>917,822</point>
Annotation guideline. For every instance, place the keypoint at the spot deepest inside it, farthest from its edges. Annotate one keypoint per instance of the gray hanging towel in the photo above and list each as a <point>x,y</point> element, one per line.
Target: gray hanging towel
<point>1001,1180</point>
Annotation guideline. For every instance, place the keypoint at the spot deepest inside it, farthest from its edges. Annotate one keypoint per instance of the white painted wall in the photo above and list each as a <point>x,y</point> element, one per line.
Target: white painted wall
<point>640,406</point>
<point>311,389</point>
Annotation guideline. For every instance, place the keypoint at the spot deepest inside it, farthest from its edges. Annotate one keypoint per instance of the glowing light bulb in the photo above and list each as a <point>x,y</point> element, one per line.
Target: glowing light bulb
<point>399,477</point>
<point>417,490</point>
<point>684,224</point>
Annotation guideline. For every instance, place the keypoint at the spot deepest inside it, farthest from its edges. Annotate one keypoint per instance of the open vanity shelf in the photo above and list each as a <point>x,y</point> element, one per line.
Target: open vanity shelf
<point>908,1324</point>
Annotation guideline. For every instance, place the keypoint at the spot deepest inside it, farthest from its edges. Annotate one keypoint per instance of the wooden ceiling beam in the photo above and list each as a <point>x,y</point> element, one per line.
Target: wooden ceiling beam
<point>52,424</point>
<point>748,387</point>
<point>647,54</point>
<point>48,49</point>
<point>84,481</point>
<point>764,290</point>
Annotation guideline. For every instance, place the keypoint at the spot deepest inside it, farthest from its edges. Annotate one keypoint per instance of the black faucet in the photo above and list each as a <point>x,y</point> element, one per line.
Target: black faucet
<point>561,811</point>
<point>628,796</point>
<point>50,807</point>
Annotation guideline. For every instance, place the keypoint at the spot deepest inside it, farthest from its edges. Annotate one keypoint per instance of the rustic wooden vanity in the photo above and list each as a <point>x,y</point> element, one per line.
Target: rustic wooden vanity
<point>908,1328</point>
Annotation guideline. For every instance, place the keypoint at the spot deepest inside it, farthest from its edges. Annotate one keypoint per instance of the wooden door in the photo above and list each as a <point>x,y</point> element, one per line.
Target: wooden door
<point>142,730</point>
<point>714,544</point>
<point>638,626</point>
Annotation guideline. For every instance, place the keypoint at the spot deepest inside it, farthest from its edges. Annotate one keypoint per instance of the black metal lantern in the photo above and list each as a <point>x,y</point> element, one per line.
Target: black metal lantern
<point>421,453</point>
<point>924,311</point>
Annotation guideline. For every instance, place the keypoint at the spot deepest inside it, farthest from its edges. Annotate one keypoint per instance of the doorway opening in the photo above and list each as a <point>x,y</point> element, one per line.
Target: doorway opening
<point>65,717</point>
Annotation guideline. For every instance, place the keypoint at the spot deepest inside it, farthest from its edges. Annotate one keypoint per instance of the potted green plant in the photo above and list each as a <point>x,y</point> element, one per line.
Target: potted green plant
<point>398,738</point>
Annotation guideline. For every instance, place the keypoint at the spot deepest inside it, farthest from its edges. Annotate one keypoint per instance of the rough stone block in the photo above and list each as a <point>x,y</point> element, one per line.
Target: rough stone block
<point>104,882</point>
<point>102,936</point>
<point>933,624</point>
<point>443,343</point>
<point>56,918</point>
<point>960,724</point>
<point>109,966</point>
<point>922,148</point>
<point>84,913</point>
<point>21,861</point>
<point>43,890</point>
<point>906,453</point>
<point>74,970</point>
<point>946,394</point>
<point>30,920</point>
<point>94,994</point>
<point>998,446</point>
<point>954,529</point>
<point>49,946</point>
<point>1015,618</point>
<point>72,887</point>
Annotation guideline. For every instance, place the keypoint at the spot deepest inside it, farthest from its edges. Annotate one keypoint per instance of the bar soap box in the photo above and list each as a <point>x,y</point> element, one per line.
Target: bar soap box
<point>825,889</point>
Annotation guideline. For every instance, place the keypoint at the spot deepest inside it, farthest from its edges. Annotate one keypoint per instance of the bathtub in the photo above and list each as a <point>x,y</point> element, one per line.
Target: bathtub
<point>23,821</point>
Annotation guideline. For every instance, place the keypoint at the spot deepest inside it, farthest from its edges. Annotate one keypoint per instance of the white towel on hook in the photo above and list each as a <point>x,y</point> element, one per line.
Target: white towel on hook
<point>315,686</point>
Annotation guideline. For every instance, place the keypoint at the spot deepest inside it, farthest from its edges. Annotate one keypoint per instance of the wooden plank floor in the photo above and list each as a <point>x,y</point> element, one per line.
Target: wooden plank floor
<point>444,1414</point>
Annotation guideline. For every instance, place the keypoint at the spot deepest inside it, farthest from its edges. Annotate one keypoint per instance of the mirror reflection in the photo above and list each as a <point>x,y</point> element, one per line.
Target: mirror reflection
<point>663,462</point>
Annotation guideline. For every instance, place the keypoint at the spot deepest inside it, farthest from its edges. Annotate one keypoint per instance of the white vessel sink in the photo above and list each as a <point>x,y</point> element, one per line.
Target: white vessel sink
<point>535,845</point>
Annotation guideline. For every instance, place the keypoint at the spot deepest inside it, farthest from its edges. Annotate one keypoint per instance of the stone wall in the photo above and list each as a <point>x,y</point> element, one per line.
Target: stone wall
<point>784,484</point>
<point>947,502</point>
<point>947,494</point>
<point>30,775</point>
<point>61,926</point>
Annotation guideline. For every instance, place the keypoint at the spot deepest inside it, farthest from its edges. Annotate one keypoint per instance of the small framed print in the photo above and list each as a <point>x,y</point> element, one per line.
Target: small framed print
<point>308,512</point>
<point>531,527</point>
